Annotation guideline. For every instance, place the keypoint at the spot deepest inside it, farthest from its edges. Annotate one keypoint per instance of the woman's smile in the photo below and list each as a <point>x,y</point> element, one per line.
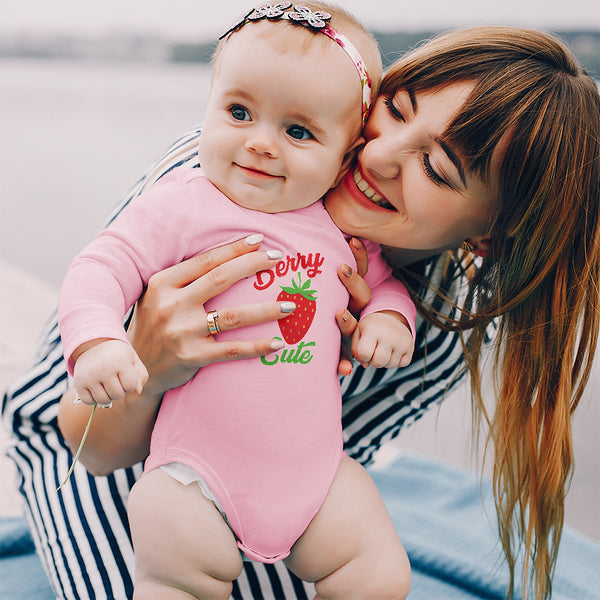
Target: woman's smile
<point>364,194</point>
<point>363,185</point>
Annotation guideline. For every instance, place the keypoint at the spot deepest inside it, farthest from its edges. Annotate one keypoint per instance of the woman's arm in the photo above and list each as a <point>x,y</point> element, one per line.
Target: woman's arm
<point>169,333</point>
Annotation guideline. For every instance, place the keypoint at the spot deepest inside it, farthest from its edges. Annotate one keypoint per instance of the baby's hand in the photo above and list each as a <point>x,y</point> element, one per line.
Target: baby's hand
<point>383,339</point>
<point>108,370</point>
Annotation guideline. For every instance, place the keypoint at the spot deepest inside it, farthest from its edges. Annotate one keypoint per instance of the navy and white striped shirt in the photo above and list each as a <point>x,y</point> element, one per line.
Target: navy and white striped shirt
<point>82,535</point>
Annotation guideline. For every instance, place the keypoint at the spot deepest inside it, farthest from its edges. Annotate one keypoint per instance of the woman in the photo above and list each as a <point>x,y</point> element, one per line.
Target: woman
<point>513,168</point>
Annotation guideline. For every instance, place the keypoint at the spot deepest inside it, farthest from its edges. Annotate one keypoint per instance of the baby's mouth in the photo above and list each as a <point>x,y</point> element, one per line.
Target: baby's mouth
<point>369,192</point>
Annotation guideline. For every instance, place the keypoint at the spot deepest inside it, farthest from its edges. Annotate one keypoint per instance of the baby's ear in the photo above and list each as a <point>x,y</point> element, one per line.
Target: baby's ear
<point>348,158</point>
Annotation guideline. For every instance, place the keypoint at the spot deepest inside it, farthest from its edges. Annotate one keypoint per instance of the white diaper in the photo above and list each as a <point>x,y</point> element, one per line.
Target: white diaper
<point>187,475</point>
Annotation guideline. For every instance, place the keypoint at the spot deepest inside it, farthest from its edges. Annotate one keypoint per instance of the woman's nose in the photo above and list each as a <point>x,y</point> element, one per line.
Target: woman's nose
<point>382,158</point>
<point>262,142</point>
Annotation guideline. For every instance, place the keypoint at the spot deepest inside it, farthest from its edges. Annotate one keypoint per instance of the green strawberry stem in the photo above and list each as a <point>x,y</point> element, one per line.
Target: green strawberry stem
<point>301,288</point>
<point>85,434</point>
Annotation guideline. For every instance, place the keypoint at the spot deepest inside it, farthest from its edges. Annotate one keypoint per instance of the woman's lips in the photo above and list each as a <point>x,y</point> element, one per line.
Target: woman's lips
<point>364,194</point>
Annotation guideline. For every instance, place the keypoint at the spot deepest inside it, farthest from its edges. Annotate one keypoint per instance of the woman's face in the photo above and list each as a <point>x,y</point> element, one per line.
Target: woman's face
<point>409,188</point>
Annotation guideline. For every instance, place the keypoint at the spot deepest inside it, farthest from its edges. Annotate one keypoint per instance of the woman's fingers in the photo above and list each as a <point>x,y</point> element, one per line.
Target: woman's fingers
<point>170,328</point>
<point>251,314</point>
<point>359,291</point>
<point>360,294</point>
<point>189,270</point>
<point>205,350</point>
<point>223,276</point>
<point>360,256</point>
<point>232,350</point>
<point>347,324</point>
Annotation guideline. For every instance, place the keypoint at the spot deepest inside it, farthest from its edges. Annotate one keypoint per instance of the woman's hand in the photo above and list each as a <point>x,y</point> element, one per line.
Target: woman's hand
<point>360,294</point>
<point>169,331</point>
<point>169,327</point>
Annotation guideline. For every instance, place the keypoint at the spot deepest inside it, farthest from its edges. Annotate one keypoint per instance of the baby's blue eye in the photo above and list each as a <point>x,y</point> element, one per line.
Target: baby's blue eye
<point>299,133</point>
<point>239,113</point>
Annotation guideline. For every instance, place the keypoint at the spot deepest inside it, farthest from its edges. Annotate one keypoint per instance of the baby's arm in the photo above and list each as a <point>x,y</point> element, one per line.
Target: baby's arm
<point>107,370</point>
<point>107,278</point>
<point>383,340</point>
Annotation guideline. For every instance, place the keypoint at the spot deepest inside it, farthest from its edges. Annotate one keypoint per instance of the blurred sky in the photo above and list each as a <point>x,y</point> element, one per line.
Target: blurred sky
<point>202,20</point>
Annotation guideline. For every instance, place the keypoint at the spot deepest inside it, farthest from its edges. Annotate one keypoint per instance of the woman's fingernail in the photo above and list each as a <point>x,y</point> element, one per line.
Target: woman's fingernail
<point>255,238</point>
<point>77,400</point>
<point>346,270</point>
<point>345,316</point>
<point>274,254</point>
<point>276,344</point>
<point>287,307</point>
<point>356,243</point>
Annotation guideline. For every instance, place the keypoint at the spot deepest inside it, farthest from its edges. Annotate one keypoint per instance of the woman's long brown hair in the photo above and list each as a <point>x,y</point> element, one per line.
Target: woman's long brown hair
<point>541,277</point>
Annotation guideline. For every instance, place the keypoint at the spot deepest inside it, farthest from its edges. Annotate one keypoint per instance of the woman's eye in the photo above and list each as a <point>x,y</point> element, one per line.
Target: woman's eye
<point>430,172</point>
<point>299,133</point>
<point>239,113</point>
<point>393,109</point>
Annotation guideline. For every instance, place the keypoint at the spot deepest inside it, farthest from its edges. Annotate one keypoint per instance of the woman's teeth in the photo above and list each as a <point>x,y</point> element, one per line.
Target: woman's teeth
<point>369,192</point>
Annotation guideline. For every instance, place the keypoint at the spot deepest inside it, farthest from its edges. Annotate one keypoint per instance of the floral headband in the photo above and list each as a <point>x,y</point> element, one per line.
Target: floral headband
<point>316,21</point>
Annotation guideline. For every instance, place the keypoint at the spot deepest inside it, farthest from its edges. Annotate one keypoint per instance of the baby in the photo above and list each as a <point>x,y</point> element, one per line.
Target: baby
<point>260,439</point>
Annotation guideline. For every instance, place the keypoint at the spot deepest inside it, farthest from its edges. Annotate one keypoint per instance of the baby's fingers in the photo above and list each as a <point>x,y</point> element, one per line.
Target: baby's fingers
<point>84,396</point>
<point>382,357</point>
<point>131,379</point>
<point>90,391</point>
<point>362,348</point>
<point>391,358</point>
<point>94,394</point>
<point>405,358</point>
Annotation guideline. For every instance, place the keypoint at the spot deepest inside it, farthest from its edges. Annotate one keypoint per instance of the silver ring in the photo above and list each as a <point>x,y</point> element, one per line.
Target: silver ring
<point>212,318</point>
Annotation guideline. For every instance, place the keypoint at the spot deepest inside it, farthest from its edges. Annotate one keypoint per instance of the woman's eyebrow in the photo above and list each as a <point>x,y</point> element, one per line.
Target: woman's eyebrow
<point>413,101</point>
<point>453,158</point>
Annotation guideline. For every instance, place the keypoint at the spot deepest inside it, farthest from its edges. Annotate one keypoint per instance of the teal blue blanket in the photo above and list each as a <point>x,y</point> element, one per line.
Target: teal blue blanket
<point>446,520</point>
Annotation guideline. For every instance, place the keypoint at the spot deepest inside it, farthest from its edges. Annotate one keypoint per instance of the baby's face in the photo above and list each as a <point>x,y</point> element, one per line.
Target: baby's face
<point>282,117</point>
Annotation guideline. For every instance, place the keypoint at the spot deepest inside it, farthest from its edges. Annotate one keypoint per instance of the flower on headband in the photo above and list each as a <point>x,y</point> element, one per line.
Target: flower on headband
<point>313,19</point>
<point>317,22</point>
<point>271,11</point>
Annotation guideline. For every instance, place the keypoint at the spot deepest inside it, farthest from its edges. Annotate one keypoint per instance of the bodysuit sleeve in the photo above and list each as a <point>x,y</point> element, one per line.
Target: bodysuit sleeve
<point>109,275</point>
<point>387,293</point>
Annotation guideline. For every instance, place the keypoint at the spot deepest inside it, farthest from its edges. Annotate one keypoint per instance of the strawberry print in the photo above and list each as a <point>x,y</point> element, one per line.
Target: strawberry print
<point>294,327</point>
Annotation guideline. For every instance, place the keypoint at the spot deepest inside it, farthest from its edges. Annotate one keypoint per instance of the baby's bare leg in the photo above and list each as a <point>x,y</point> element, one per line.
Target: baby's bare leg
<point>350,549</point>
<point>183,546</point>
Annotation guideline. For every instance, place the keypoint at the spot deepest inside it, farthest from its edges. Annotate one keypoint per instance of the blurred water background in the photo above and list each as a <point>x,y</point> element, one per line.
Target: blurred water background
<point>74,136</point>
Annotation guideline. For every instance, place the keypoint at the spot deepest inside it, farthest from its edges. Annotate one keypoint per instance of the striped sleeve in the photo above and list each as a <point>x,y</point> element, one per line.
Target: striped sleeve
<point>81,534</point>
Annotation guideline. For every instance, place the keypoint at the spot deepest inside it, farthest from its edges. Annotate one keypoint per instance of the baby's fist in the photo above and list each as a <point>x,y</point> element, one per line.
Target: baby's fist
<point>108,370</point>
<point>383,340</point>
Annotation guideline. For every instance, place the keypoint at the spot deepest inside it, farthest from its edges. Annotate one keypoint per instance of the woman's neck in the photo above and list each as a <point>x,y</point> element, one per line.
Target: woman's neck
<point>400,257</point>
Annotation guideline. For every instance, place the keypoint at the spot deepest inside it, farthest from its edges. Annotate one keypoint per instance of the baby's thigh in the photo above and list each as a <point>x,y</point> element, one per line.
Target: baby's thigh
<point>351,548</point>
<point>179,537</point>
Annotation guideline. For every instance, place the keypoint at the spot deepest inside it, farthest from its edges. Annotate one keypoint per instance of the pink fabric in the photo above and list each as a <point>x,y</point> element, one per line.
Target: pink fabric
<point>264,433</point>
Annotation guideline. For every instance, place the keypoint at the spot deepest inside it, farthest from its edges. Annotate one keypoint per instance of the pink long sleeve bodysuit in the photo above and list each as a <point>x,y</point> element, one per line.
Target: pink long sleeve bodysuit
<point>264,433</point>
